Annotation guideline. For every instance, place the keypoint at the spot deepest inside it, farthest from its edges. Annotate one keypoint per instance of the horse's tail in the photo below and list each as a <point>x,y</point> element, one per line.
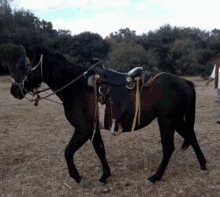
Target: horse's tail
<point>190,115</point>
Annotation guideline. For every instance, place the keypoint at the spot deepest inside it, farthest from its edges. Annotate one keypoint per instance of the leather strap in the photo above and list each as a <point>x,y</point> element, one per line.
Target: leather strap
<point>95,79</point>
<point>137,105</point>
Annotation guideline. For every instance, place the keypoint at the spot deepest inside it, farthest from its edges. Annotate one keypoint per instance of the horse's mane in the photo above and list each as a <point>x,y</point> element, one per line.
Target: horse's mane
<point>58,59</point>
<point>61,59</point>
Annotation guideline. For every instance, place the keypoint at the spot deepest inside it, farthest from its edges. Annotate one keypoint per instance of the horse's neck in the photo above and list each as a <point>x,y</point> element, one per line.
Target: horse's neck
<point>57,77</point>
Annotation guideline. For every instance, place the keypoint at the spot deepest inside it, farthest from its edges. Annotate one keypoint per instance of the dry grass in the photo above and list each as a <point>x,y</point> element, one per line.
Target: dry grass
<point>33,140</point>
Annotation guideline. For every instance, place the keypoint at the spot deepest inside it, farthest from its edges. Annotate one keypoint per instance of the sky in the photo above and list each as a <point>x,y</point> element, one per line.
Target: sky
<point>104,17</point>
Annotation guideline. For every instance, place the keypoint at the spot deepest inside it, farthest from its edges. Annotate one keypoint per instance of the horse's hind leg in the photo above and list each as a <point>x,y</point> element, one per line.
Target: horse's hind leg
<point>78,139</point>
<point>188,133</point>
<point>100,151</point>
<point>167,140</point>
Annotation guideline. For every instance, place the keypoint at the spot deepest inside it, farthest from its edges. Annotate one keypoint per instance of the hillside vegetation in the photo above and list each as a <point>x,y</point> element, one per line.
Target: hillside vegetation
<point>182,51</point>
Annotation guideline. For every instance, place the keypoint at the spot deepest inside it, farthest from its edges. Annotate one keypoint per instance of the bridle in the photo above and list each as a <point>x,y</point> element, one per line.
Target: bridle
<point>29,72</point>
<point>21,84</point>
<point>36,91</point>
<point>39,64</point>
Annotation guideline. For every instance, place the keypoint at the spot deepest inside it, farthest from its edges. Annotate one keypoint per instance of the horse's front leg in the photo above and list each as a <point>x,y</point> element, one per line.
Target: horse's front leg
<point>78,139</point>
<point>100,151</point>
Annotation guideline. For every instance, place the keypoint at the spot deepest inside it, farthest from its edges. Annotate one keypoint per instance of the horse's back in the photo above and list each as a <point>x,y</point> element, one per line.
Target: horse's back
<point>176,94</point>
<point>177,84</point>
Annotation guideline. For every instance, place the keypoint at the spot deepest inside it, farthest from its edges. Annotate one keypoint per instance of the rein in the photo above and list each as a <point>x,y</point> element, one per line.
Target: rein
<point>36,100</point>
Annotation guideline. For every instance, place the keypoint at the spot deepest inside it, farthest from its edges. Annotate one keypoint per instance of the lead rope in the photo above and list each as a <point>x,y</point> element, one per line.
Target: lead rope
<point>41,98</point>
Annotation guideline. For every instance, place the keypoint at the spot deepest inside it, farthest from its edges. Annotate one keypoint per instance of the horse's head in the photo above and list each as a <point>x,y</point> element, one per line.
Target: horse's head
<point>19,75</point>
<point>25,77</point>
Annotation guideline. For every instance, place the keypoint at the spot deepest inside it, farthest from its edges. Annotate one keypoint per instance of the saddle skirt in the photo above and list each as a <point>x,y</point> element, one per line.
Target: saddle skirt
<point>106,122</point>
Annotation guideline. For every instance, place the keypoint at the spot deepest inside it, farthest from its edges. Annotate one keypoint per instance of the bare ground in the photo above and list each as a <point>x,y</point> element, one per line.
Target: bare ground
<point>33,139</point>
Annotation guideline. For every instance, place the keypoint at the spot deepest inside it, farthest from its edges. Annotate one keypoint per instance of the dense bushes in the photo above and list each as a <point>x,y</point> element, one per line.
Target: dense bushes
<point>182,51</point>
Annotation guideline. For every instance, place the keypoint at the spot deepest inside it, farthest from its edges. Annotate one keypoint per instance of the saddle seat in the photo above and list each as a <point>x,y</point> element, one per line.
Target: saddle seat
<point>113,77</point>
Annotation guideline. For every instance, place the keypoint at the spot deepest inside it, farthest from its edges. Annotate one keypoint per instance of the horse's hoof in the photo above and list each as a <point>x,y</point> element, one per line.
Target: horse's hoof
<point>149,183</point>
<point>84,183</point>
<point>205,172</point>
<point>100,183</point>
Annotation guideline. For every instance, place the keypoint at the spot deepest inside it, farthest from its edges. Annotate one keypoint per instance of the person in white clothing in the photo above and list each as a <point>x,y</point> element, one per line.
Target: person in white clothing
<point>216,77</point>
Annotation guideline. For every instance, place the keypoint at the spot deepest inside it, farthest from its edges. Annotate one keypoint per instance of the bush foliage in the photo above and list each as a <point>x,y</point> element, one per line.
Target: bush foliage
<point>182,51</point>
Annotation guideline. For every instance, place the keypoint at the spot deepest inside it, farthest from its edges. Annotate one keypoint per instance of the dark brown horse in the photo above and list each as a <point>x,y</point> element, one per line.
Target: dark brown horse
<point>168,98</point>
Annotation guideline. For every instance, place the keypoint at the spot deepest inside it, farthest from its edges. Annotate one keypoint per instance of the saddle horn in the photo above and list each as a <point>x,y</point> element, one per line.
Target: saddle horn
<point>100,69</point>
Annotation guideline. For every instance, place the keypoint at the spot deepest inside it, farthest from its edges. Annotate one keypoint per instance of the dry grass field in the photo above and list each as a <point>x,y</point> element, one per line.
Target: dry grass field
<point>33,139</point>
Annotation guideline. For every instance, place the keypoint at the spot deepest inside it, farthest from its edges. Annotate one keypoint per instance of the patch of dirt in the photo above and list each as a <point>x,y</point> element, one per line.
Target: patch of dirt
<point>32,163</point>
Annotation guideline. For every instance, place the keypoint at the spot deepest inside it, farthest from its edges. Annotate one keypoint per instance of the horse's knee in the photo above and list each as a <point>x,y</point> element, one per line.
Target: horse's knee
<point>68,152</point>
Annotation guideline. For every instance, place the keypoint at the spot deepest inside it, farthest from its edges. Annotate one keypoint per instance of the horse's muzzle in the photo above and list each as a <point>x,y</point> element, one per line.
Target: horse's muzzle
<point>17,92</point>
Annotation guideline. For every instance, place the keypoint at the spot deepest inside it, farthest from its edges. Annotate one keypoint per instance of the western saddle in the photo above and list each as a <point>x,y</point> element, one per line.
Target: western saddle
<point>104,82</point>
<point>113,77</point>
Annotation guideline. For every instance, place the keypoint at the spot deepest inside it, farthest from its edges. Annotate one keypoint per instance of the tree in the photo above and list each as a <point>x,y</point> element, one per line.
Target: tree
<point>84,47</point>
<point>125,53</point>
<point>10,55</point>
